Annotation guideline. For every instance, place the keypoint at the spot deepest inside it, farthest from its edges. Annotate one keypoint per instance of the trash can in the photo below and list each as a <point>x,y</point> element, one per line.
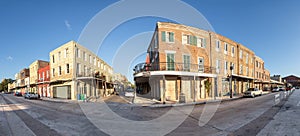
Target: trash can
<point>78,96</point>
<point>82,97</point>
<point>181,98</point>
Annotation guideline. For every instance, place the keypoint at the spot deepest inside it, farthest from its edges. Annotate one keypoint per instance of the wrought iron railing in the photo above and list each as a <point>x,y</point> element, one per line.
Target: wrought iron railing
<point>173,66</point>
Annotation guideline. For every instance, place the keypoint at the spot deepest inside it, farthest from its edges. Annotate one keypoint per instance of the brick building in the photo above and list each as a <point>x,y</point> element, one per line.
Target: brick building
<point>43,82</point>
<point>194,62</point>
<point>292,80</point>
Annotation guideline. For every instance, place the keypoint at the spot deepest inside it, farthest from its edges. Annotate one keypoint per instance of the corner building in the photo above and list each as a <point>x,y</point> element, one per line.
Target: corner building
<point>77,71</point>
<point>188,63</point>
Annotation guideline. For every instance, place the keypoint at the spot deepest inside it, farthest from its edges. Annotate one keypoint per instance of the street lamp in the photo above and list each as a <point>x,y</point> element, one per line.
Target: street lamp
<point>230,81</point>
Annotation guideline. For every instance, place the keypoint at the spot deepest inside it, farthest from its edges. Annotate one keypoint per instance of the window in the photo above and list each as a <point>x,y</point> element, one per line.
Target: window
<point>233,67</point>
<point>53,72</point>
<point>225,67</point>
<point>241,54</point>
<point>59,54</point>
<point>186,63</point>
<point>200,64</point>
<point>247,57</point>
<point>67,68</point>
<point>84,56</point>
<point>66,52</point>
<point>47,74</point>
<point>155,40</point>
<point>225,48</point>
<point>218,66</point>
<point>170,61</point>
<point>241,69</point>
<point>53,59</point>
<point>43,75</point>
<point>98,64</point>
<point>217,45</point>
<point>85,70</point>
<point>77,53</point>
<point>247,71</point>
<point>184,39</point>
<point>201,42</point>
<point>91,60</point>
<point>95,61</point>
<point>59,70</point>
<point>232,51</point>
<point>167,36</point>
<point>78,70</point>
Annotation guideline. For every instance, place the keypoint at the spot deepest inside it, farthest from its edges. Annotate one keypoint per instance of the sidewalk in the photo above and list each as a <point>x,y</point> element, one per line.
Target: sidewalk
<point>286,121</point>
<point>145,102</point>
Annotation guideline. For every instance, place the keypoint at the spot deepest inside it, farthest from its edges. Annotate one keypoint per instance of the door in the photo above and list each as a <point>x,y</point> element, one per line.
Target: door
<point>170,61</point>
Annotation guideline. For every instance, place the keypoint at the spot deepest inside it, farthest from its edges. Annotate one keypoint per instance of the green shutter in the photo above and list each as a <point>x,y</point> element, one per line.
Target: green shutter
<point>195,40</point>
<point>204,42</point>
<point>163,36</point>
<point>171,37</point>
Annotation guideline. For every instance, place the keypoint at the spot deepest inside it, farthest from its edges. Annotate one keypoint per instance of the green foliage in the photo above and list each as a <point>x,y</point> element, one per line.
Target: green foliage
<point>207,84</point>
<point>4,84</point>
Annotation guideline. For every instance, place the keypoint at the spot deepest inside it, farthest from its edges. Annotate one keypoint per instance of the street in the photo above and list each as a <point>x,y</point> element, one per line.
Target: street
<point>19,116</point>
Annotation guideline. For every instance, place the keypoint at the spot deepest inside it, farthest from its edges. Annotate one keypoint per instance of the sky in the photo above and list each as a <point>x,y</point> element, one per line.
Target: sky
<point>30,29</point>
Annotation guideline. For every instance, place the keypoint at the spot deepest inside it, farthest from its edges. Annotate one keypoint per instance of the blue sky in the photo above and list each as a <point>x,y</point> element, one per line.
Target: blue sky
<point>30,29</point>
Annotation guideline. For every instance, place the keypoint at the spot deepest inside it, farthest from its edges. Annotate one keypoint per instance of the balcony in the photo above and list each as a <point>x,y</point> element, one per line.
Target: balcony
<point>172,66</point>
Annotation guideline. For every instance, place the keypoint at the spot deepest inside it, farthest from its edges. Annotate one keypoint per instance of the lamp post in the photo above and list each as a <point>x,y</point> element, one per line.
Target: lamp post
<point>230,81</point>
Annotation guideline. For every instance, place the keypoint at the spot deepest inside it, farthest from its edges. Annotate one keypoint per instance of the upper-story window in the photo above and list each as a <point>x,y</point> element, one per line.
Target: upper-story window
<point>155,40</point>
<point>218,66</point>
<point>78,53</point>
<point>247,58</point>
<point>53,59</point>
<point>241,54</point>
<point>201,42</point>
<point>167,36</point>
<point>53,72</point>
<point>84,56</point>
<point>59,55</point>
<point>59,70</point>
<point>66,52</point>
<point>241,69</point>
<point>218,45</point>
<point>193,40</point>
<point>47,74</point>
<point>232,51</point>
<point>225,67</point>
<point>67,68</point>
<point>225,48</point>
<point>91,60</point>
<point>186,62</point>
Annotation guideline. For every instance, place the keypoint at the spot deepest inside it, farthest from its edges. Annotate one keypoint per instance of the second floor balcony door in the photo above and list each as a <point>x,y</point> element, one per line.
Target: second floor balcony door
<point>170,61</point>
<point>201,64</point>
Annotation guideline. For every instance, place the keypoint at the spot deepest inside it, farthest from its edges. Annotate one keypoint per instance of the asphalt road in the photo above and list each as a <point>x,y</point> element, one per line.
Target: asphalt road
<point>246,116</point>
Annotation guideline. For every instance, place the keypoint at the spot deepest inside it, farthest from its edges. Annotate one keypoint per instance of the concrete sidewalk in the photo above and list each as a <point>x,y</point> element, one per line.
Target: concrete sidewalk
<point>287,121</point>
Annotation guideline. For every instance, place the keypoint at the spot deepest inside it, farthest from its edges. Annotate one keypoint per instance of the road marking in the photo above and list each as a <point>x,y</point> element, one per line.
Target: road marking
<point>298,103</point>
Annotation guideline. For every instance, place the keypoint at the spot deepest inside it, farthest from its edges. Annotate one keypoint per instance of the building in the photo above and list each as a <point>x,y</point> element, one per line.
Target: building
<point>33,68</point>
<point>188,63</point>
<point>24,78</point>
<point>77,71</point>
<point>120,82</point>
<point>292,80</point>
<point>43,83</point>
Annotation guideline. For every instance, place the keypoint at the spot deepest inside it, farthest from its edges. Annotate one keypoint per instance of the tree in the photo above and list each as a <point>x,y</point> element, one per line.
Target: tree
<point>4,84</point>
<point>207,84</point>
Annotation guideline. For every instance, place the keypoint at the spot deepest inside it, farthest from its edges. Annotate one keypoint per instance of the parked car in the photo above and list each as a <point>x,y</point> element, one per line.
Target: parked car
<point>297,87</point>
<point>275,89</point>
<point>129,93</point>
<point>281,88</point>
<point>252,92</point>
<point>18,94</point>
<point>31,95</point>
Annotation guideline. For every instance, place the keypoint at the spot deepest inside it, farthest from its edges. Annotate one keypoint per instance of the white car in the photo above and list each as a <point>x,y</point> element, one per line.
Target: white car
<point>31,95</point>
<point>252,92</point>
<point>129,93</point>
<point>275,89</point>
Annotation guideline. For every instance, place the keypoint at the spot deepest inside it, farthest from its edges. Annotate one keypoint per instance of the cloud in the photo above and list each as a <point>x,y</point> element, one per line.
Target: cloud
<point>9,58</point>
<point>68,25</point>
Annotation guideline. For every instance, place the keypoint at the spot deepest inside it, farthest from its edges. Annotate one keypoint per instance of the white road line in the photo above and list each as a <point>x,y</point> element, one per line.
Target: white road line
<point>298,103</point>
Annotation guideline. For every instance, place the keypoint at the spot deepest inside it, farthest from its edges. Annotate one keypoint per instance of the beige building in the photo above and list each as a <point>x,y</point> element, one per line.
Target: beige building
<point>76,70</point>
<point>33,69</point>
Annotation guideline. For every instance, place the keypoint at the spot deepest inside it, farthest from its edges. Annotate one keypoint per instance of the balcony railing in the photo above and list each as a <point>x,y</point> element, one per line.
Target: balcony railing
<point>172,66</point>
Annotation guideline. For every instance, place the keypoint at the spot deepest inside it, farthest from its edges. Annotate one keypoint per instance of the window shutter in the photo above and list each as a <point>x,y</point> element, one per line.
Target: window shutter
<point>163,36</point>
<point>204,42</point>
<point>171,37</point>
